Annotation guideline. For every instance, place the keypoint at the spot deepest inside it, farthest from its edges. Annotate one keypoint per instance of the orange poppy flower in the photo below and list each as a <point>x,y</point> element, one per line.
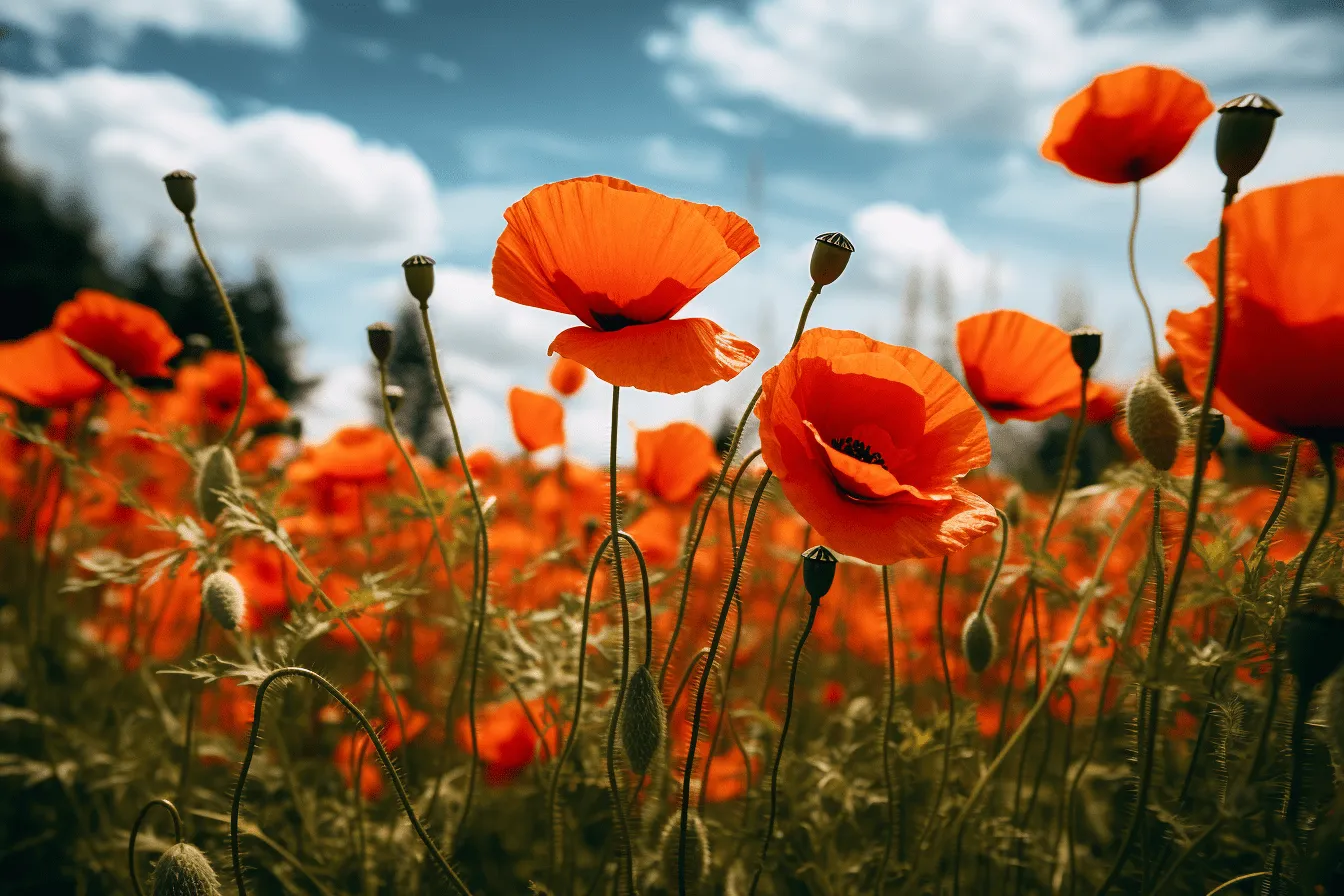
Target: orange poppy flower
<point>868,441</point>
<point>538,420</point>
<point>1127,125</point>
<point>1281,361</point>
<point>1191,336</point>
<point>506,740</point>
<point>672,462</point>
<point>567,376</point>
<point>1019,367</point>
<point>624,259</point>
<point>42,370</point>
<point>354,454</point>
<point>207,394</point>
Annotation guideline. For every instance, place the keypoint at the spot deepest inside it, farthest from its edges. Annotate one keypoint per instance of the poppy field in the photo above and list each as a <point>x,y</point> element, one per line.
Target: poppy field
<point>834,652</point>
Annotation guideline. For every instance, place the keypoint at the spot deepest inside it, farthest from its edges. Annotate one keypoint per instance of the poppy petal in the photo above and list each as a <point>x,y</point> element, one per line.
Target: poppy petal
<point>671,463</point>
<point>538,419</point>
<point>42,370</point>
<point>670,356</point>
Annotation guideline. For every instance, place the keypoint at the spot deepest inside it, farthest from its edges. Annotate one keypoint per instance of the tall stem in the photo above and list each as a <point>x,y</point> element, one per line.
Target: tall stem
<point>887,720</point>
<point>193,698</point>
<point>236,332</point>
<point>712,658</point>
<point>951,709</point>
<point>1134,276</point>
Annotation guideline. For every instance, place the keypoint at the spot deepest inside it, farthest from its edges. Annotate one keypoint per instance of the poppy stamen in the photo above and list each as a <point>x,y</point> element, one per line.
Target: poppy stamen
<point>859,450</point>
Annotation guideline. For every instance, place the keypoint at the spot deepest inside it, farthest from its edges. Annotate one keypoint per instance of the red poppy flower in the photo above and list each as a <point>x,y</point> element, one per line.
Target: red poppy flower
<point>624,259</point>
<point>207,394</point>
<point>1281,361</point>
<point>1191,336</point>
<point>538,420</point>
<point>42,370</point>
<point>1127,125</point>
<point>868,441</point>
<point>1019,367</point>
<point>567,376</point>
<point>672,462</point>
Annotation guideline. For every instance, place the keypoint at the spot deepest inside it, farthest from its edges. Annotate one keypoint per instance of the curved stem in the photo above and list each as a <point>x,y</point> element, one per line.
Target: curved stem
<point>732,498</point>
<point>1005,530</point>
<point>1134,276</point>
<point>731,590</point>
<point>783,735</point>
<point>193,699</point>
<point>951,709</point>
<point>482,599</point>
<point>886,732</point>
<point>386,761</point>
<point>233,329</point>
<point>135,832</point>
<point>618,804</point>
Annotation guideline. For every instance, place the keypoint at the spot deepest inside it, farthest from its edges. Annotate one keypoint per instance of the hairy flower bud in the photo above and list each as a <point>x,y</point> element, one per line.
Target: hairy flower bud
<point>697,851</point>
<point>219,473</point>
<point>1085,343</point>
<point>224,599</point>
<point>979,642</point>
<point>183,870</point>
<point>380,341</point>
<point>1314,634</point>
<point>818,571</point>
<point>830,254</point>
<point>1245,125</point>
<point>181,190</point>
<point>1155,423</point>
<point>644,722</point>
<point>419,271</point>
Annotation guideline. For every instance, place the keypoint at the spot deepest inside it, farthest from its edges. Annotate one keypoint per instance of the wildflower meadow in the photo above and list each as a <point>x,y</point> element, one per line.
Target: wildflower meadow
<point>829,653</point>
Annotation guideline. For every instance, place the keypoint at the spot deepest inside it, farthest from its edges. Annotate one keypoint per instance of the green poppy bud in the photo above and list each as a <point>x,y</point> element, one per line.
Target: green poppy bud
<point>224,599</point>
<point>181,190</point>
<point>979,642</point>
<point>1245,125</point>
<point>644,721</point>
<point>1085,344</point>
<point>697,851</point>
<point>419,271</point>
<point>818,571</point>
<point>830,254</point>
<point>183,870</point>
<point>380,341</point>
<point>219,473</point>
<point>1155,423</point>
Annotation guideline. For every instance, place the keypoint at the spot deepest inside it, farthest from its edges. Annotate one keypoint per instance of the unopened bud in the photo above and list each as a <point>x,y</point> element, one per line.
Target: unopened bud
<point>1245,125</point>
<point>181,190</point>
<point>644,722</point>
<point>1085,344</point>
<point>1155,423</point>
<point>697,851</point>
<point>183,870</point>
<point>419,271</point>
<point>1314,634</point>
<point>380,341</point>
<point>818,571</point>
<point>1214,429</point>
<point>979,642</point>
<point>219,474</point>
<point>394,395</point>
<point>224,599</point>
<point>830,254</point>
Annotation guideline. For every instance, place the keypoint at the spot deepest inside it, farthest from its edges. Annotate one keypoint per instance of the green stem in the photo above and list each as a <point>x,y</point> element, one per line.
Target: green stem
<point>689,775</point>
<point>887,720</point>
<point>135,832</point>
<point>779,615</point>
<point>189,733</point>
<point>1134,276</point>
<point>233,329</point>
<point>386,761</point>
<point>951,710</point>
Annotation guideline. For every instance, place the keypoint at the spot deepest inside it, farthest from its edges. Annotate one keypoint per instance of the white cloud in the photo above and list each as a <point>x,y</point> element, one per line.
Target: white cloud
<point>276,23</point>
<point>500,152</point>
<point>473,215</point>
<point>921,69</point>
<point>399,7</point>
<point>896,238</point>
<point>443,69</point>
<point>660,155</point>
<point>293,185</point>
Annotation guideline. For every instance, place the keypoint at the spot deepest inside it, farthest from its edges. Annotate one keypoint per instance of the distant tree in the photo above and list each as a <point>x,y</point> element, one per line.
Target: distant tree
<point>419,418</point>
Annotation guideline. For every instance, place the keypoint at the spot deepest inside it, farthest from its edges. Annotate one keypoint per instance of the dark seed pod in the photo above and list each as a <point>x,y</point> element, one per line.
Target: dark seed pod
<point>697,851</point>
<point>1085,343</point>
<point>1154,421</point>
<point>1215,429</point>
<point>979,642</point>
<point>219,473</point>
<point>380,341</point>
<point>830,254</point>
<point>224,599</point>
<point>183,870</point>
<point>818,571</point>
<point>394,395</point>
<point>419,271</point>
<point>1314,634</point>
<point>1245,125</point>
<point>181,190</point>
<point>644,722</point>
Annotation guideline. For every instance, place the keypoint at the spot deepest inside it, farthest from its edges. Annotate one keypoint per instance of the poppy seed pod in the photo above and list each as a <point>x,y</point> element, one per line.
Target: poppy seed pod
<point>181,190</point>
<point>380,341</point>
<point>1085,343</point>
<point>979,642</point>
<point>219,473</point>
<point>183,870</point>
<point>644,722</point>
<point>818,571</point>
<point>224,599</point>
<point>419,271</point>
<point>830,254</point>
<point>1155,423</point>
<point>1245,125</point>
<point>394,395</point>
<point>1214,429</point>
<point>1314,634</point>
<point>697,850</point>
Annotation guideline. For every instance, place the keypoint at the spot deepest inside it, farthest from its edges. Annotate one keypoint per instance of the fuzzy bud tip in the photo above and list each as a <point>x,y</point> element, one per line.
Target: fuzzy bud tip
<point>1155,423</point>
<point>224,599</point>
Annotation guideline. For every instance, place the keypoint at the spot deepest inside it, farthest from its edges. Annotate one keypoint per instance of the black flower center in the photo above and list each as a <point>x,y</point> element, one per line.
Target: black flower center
<point>859,451</point>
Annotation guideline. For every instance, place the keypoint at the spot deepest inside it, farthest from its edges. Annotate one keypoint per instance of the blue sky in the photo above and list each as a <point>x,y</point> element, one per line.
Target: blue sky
<point>335,138</point>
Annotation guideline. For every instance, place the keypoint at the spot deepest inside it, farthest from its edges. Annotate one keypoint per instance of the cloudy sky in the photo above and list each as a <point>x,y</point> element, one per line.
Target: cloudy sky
<point>336,137</point>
